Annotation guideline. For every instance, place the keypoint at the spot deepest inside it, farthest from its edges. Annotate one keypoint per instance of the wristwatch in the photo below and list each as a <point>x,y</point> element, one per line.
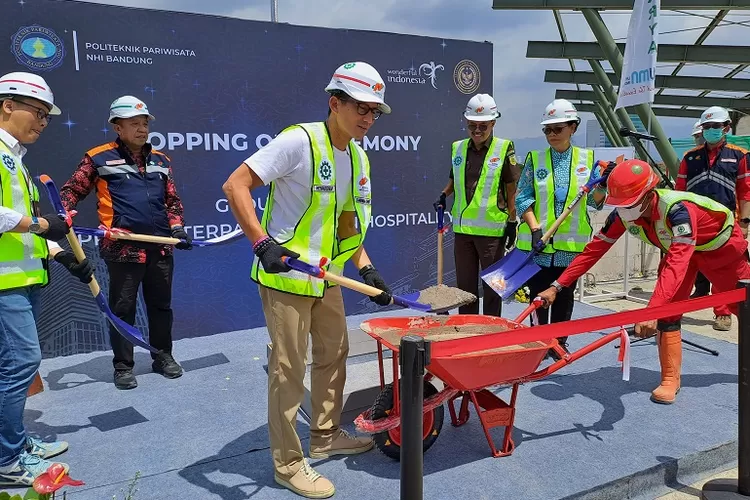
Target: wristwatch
<point>35,227</point>
<point>557,286</point>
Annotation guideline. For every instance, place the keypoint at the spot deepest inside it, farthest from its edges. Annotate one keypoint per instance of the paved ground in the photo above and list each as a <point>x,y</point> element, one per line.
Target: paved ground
<point>699,322</point>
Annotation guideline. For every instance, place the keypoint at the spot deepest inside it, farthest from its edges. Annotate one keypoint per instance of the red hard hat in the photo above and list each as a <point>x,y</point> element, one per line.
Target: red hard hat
<point>628,182</point>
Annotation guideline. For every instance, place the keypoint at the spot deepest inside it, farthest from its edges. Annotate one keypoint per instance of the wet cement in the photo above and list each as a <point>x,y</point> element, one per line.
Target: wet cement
<point>445,298</point>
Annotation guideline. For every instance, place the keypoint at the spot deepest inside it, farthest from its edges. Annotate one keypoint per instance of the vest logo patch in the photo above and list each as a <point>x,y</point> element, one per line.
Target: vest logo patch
<point>663,234</point>
<point>683,229</point>
<point>364,186</point>
<point>582,170</point>
<point>457,161</point>
<point>9,163</point>
<point>363,201</point>
<point>729,160</point>
<point>325,171</point>
<point>121,161</point>
<point>323,189</point>
<point>634,230</point>
<point>542,174</point>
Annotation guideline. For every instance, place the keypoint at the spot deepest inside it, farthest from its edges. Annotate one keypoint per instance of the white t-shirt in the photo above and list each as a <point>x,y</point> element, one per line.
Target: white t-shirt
<point>287,161</point>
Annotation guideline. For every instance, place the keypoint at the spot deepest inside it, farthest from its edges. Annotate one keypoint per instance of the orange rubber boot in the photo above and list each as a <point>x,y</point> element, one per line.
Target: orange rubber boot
<point>670,359</point>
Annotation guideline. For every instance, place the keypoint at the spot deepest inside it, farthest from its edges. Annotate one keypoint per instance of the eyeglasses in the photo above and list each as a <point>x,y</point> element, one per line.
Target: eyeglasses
<point>707,126</point>
<point>41,114</point>
<point>363,108</point>
<point>556,130</point>
<point>481,126</point>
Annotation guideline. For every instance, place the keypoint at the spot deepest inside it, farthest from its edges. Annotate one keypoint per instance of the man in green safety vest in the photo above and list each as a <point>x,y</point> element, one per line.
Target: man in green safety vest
<point>26,244</point>
<point>483,177</point>
<point>318,206</point>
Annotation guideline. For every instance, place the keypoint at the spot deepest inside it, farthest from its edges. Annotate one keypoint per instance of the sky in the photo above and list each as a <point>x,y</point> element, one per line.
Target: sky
<point>519,87</point>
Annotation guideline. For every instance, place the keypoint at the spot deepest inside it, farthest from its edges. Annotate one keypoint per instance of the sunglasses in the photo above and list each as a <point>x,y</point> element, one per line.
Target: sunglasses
<point>41,114</point>
<point>707,126</point>
<point>363,109</point>
<point>481,126</point>
<point>553,130</point>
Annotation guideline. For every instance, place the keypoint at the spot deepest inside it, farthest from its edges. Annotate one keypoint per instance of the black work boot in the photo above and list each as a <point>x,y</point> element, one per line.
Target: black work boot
<point>124,379</point>
<point>167,366</point>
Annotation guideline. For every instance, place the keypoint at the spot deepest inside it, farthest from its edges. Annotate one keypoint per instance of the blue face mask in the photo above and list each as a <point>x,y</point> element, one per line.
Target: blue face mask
<point>713,135</point>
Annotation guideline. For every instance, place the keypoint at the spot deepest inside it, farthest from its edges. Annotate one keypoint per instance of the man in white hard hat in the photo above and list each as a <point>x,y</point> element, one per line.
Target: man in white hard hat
<point>135,190</point>
<point>550,180</point>
<point>483,177</point>
<point>320,192</point>
<point>719,171</point>
<point>26,245</point>
<point>698,134</point>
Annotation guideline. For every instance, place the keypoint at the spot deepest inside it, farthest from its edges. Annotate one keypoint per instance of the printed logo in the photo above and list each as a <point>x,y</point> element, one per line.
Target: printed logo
<point>582,170</point>
<point>364,186</point>
<point>429,71</point>
<point>729,160</point>
<point>349,65</point>
<point>325,171</point>
<point>466,76</point>
<point>378,87</point>
<point>38,48</point>
<point>634,230</point>
<point>552,112</point>
<point>683,229</point>
<point>495,159</point>
<point>636,169</point>
<point>542,174</point>
<point>9,163</point>
<point>457,160</point>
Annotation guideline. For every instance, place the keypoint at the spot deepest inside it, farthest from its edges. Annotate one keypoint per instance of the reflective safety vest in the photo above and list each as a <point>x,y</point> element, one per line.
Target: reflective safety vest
<point>480,217</point>
<point>575,231</point>
<point>23,256</point>
<point>666,200</point>
<point>315,235</point>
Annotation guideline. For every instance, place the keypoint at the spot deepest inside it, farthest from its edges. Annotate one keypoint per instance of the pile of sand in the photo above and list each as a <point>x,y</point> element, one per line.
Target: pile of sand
<point>445,298</point>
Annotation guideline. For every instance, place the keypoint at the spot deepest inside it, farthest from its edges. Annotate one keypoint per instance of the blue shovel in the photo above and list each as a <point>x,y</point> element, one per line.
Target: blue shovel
<point>511,272</point>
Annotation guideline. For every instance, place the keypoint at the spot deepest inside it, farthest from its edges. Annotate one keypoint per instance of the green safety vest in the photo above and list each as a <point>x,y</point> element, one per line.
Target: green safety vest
<point>23,256</point>
<point>666,200</point>
<point>481,217</point>
<point>315,235</point>
<point>575,231</point>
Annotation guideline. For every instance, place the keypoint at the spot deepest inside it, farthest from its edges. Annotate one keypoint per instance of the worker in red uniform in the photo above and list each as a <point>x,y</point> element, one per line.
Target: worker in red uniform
<point>695,232</point>
<point>717,170</point>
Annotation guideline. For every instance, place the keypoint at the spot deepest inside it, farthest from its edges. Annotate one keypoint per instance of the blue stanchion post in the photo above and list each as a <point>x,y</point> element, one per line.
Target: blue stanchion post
<point>736,489</point>
<point>413,357</point>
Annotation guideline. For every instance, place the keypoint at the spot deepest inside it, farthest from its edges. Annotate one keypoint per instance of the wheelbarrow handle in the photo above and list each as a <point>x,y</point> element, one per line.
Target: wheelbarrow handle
<point>533,306</point>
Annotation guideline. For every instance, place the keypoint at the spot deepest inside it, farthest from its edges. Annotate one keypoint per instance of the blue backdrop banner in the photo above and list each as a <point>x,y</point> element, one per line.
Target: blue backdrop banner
<point>220,89</point>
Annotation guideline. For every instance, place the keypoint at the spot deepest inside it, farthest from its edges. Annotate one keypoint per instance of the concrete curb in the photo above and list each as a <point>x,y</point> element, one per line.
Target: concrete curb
<point>672,474</point>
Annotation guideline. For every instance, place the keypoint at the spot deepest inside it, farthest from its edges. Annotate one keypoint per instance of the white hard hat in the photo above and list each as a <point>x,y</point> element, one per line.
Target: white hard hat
<point>128,106</point>
<point>697,129</point>
<point>360,81</point>
<point>29,85</point>
<point>559,111</point>
<point>715,114</point>
<point>481,108</point>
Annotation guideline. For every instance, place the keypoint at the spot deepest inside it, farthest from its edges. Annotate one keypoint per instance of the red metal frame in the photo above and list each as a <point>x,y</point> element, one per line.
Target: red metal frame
<point>492,410</point>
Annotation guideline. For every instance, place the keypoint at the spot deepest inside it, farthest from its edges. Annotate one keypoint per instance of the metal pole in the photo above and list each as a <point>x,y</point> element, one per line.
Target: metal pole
<point>736,489</point>
<point>604,124</point>
<point>611,95</point>
<point>274,11</point>
<point>614,56</point>
<point>413,357</point>
<point>602,101</point>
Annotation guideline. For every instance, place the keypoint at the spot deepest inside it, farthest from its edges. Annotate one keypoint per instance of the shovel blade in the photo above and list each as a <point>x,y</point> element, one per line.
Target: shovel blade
<point>510,273</point>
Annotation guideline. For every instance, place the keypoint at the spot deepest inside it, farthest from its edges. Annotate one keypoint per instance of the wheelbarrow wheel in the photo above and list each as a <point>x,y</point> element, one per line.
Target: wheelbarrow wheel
<point>389,442</point>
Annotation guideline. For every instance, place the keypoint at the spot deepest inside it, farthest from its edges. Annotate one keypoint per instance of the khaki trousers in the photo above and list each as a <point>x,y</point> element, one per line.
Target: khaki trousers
<point>291,320</point>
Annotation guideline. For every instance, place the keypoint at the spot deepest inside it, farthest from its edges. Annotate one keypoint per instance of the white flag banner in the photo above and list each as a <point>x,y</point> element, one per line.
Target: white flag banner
<point>637,83</point>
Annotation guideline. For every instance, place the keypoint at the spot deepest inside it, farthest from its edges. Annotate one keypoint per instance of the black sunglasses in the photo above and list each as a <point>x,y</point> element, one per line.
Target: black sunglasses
<point>707,126</point>
<point>481,126</point>
<point>556,130</point>
<point>363,108</point>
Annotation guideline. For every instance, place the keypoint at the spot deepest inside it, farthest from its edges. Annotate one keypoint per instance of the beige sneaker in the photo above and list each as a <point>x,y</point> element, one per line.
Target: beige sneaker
<point>307,483</point>
<point>723,323</point>
<point>343,444</point>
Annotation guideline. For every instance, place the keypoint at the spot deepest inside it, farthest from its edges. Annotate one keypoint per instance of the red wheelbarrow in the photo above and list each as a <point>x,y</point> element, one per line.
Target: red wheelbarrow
<point>466,376</point>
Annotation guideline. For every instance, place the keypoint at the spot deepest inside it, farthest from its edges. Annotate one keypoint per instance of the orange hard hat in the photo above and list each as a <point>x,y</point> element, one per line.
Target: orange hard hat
<point>628,182</point>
